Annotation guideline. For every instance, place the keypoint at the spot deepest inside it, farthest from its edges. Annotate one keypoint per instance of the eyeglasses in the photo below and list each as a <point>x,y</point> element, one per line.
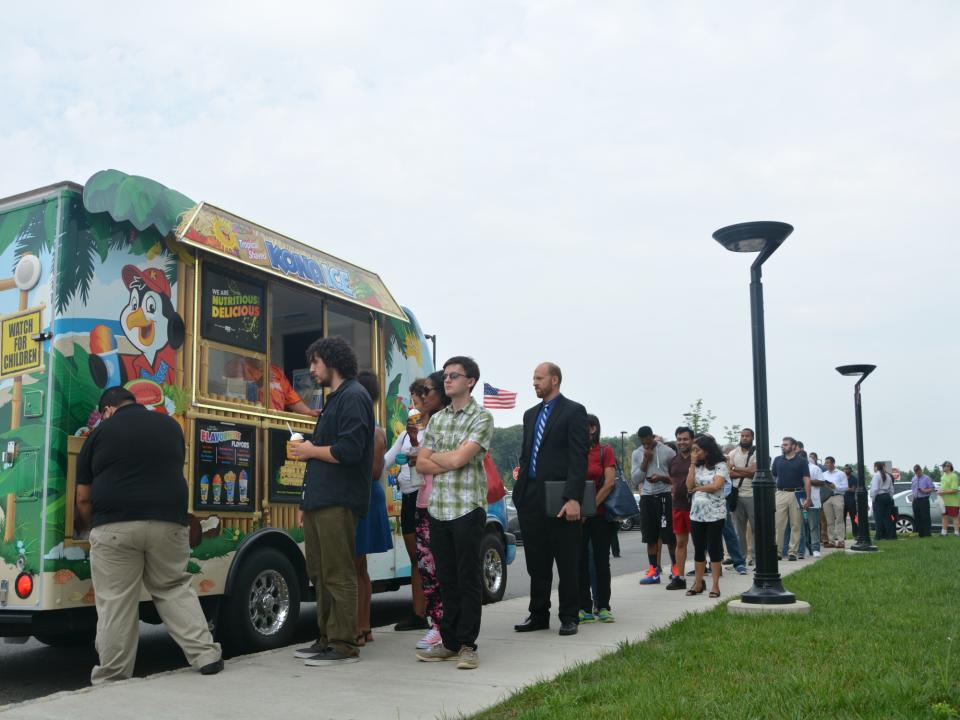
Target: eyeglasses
<point>453,376</point>
<point>424,391</point>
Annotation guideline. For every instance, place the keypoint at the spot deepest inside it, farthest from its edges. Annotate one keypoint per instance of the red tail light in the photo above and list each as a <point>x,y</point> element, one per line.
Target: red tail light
<point>24,585</point>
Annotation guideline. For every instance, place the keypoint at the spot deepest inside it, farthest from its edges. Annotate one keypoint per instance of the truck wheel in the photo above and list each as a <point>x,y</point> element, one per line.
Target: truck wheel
<point>493,567</point>
<point>262,610</point>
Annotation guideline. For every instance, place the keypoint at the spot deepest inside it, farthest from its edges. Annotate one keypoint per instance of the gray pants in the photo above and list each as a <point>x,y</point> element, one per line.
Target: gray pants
<point>741,516</point>
<point>126,556</point>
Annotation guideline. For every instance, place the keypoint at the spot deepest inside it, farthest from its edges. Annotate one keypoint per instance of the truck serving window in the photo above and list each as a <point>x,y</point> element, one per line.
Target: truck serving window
<point>355,325</point>
<point>296,320</point>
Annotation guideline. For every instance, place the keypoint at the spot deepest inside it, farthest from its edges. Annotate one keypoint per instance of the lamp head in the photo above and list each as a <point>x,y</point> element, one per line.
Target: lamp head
<point>853,370</point>
<point>761,236</point>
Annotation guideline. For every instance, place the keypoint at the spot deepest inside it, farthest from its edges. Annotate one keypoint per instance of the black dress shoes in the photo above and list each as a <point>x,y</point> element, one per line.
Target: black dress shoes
<point>212,668</point>
<point>531,624</point>
<point>568,628</point>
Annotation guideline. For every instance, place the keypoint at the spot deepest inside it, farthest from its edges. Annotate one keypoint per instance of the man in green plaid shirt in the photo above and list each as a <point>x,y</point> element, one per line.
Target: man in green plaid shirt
<point>452,451</point>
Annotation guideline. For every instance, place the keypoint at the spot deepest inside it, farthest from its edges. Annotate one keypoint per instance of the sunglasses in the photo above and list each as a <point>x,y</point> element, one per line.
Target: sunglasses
<point>424,391</point>
<point>453,376</point>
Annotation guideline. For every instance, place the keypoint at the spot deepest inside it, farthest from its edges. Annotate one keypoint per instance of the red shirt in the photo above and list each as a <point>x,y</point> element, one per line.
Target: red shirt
<point>162,372</point>
<point>596,464</point>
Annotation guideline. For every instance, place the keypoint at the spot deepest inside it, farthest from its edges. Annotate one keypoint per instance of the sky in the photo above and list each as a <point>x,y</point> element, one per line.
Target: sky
<point>540,181</point>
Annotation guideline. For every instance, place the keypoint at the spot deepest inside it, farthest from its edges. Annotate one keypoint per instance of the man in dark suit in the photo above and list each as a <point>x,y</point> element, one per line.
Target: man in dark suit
<point>555,445</point>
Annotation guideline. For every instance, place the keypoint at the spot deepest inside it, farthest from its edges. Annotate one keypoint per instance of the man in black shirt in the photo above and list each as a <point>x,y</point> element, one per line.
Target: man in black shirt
<point>336,494</point>
<point>130,475</point>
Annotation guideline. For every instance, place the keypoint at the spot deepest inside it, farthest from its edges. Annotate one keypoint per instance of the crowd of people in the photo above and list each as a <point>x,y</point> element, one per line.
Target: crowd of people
<point>690,489</point>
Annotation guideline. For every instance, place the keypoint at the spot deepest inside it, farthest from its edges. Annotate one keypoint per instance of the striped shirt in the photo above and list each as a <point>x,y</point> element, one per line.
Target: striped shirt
<point>458,492</point>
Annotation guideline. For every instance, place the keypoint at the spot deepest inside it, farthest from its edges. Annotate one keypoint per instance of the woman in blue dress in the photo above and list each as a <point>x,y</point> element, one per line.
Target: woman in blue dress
<point>373,531</point>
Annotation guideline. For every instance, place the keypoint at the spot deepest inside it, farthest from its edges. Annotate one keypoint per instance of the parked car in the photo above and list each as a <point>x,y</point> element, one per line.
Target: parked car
<point>905,521</point>
<point>513,524</point>
<point>629,523</point>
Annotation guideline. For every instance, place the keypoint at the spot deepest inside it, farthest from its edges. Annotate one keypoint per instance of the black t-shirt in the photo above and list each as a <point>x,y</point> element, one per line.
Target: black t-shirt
<point>134,462</point>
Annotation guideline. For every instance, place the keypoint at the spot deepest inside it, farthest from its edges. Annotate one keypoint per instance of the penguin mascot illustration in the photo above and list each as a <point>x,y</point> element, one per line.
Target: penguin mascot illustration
<point>150,323</point>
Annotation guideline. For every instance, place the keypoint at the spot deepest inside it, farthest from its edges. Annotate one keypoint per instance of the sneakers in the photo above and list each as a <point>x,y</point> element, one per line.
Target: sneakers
<point>429,640</point>
<point>750,562</point>
<point>791,557</point>
<point>467,658</point>
<point>437,653</point>
<point>414,622</point>
<point>308,652</point>
<point>585,617</point>
<point>678,583</point>
<point>330,656</point>
<point>674,572</point>
<point>741,569</point>
<point>605,616</point>
<point>815,553</point>
<point>652,576</point>
<point>802,556</point>
<point>727,561</point>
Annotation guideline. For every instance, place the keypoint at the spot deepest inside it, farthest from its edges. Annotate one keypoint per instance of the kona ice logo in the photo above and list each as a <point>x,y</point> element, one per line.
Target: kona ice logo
<point>306,268</point>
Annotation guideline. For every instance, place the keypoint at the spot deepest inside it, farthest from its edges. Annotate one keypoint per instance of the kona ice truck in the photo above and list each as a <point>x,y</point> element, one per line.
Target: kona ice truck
<point>201,314</point>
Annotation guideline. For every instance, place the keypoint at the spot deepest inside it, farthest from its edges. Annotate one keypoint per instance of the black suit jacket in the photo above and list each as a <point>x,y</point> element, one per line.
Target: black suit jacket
<point>562,455</point>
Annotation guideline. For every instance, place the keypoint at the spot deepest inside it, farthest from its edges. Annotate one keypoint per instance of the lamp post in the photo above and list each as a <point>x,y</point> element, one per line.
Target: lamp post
<point>623,434</point>
<point>764,238</point>
<point>863,543</point>
<point>433,342</point>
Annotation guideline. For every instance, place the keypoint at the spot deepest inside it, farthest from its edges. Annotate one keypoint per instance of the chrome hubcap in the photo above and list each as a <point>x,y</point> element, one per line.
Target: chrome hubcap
<point>492,570</point>
<point>269,602</point>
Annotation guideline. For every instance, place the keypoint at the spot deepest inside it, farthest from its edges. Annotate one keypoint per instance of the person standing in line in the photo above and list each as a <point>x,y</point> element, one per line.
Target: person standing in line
<point>921,487</point>
<point>792,473</point>
<point>708,509</point>
<point>649,468</point>
<point>132,494</point>
<point>950,494</point>
<point>834,505</point>
<point>452,451</point>
<point>813,512</point>
<point>850,501</point>
<point>679,468</point>
<point>336,493</point>
<point>601,470</point>
<point>743,466</point>
<point>432,399</point>
<point>373,529</point>
<point>881,492</point>
<point>554,449</point>
<point>409,484</point>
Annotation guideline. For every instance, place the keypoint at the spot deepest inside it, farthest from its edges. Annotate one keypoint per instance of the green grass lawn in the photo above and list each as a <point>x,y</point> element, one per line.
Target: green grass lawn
<point>881,641</point>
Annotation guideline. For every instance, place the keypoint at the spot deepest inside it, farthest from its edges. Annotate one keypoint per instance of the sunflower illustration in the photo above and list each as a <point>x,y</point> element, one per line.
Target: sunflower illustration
<point>412,347</point>
<point>223,232</point>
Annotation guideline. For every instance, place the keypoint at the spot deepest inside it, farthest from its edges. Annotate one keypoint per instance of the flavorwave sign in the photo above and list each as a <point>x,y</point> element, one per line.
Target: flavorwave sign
<point>217,231</point>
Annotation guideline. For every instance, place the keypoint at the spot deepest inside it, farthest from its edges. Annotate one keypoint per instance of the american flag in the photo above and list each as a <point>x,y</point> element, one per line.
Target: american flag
<point>497,399</point>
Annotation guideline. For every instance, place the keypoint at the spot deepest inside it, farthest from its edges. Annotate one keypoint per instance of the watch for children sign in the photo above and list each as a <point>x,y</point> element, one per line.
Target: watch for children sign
<point>19,352</point>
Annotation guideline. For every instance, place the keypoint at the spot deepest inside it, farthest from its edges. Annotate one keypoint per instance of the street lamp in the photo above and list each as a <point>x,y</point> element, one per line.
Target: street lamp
<point>433,342</point>
<point>863,542</point>
<point>623,434</point>
<point>764,238</point>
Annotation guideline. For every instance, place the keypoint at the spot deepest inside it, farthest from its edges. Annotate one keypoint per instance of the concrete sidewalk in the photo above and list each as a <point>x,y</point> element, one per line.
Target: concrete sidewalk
<point>389,682</point>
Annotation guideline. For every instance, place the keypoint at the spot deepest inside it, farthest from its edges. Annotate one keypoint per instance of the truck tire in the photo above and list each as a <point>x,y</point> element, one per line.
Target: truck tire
<point>493,567</point>
<point>262,610</point>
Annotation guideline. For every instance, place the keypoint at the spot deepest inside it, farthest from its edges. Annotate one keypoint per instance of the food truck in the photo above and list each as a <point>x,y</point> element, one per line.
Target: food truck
<point>206,317</point>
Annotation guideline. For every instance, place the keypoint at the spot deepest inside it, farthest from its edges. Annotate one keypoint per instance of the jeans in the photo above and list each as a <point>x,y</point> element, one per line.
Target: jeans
<point>813,529</point>
<point>596,542</point>
<point>732,541</point>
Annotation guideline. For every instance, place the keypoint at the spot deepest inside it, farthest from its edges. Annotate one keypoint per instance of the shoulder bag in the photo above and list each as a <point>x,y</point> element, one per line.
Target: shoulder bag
<point>735,491</point>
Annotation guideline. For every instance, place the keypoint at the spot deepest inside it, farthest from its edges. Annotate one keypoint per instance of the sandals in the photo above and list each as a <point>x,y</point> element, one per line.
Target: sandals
<point>691,591</point>
<point>713,593</point>
<point>364,637</point>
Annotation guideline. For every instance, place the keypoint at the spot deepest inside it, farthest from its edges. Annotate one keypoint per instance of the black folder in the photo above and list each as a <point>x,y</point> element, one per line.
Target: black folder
<point>553,493</point>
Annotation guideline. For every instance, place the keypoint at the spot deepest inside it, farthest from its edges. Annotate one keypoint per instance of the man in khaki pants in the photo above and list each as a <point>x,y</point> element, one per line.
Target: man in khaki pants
<point>131,491</point>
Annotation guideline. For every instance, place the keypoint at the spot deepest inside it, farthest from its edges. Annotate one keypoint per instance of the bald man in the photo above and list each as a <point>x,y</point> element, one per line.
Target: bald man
<point>555,446</point>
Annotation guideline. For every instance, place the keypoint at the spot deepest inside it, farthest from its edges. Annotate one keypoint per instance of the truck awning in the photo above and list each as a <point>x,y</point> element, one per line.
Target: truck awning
<point>221,233</point>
